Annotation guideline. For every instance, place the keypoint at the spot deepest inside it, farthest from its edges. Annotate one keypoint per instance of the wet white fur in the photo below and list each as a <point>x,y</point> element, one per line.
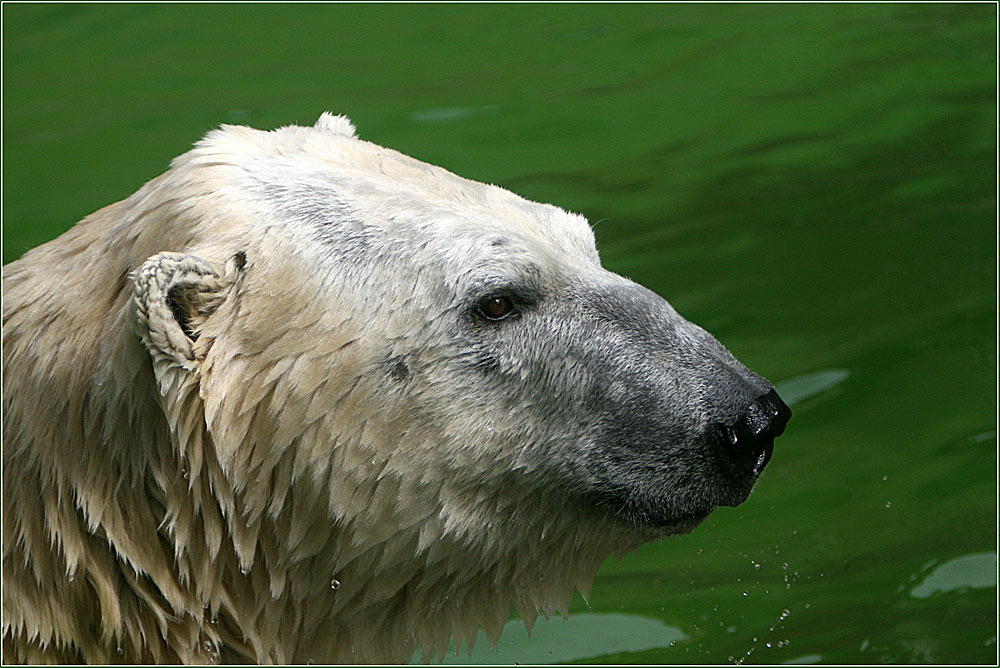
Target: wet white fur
<point>265,492</point>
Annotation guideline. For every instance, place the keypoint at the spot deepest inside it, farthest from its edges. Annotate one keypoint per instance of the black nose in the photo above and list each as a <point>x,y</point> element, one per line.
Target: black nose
<point>750,440</point>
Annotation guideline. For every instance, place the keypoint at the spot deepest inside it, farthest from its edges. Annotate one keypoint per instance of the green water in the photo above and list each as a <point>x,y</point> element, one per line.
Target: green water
<point>815,184</point>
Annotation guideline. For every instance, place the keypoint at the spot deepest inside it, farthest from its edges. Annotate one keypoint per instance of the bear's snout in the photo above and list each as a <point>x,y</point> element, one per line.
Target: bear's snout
<point>684,427</point>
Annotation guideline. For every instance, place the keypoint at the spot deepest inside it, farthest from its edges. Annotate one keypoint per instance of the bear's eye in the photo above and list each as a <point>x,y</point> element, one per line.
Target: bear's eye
<point>496,307</point>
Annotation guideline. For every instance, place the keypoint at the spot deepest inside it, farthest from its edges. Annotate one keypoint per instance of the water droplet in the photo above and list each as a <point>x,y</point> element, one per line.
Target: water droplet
<point>885,477</point>
<point>785,613</point>
<point>119,650</point>
<point>489,426</point>
<point>699,550</point>
<point>184,472</point>
<point>756,566</point>
<point>208,646</point>
<point>767,645</point>
<point>784,566</point>
<point>243,570</point>
<point>746,593</point>
<point>72,577</point>
<point>335,584</point>
<point>807,606</point>
<point>888,504</point>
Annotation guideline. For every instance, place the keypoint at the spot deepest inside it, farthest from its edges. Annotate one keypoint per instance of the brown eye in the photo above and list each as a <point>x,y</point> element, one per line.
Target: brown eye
<point>496,307</point>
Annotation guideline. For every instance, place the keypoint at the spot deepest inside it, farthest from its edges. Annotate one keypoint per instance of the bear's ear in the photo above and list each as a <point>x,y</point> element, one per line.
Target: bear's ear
<point>173,295</point>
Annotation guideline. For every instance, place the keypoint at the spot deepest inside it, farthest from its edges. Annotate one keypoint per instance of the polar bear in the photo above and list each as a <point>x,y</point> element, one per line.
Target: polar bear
<point>303,398</point>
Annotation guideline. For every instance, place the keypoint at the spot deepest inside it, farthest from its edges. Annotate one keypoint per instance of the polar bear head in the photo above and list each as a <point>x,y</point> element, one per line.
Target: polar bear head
<point>416,398</point>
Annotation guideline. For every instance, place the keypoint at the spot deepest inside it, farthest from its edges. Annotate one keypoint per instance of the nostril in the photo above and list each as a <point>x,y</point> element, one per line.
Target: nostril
<point>778,411</point>
<point>750,439</point>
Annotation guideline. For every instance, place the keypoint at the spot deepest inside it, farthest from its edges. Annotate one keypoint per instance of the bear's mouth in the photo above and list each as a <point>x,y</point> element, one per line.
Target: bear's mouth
<point>664,516</point>
<point>648,505</point>
<point>745,473</point>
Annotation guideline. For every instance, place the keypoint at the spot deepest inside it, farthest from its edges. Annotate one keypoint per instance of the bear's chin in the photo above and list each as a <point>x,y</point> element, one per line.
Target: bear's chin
<point>655,523</point>
<point>674,524</point>
<point>659,518</point>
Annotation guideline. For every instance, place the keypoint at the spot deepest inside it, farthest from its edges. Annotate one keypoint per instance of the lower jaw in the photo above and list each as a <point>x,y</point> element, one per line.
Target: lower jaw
<point>672,524</point>
<point>736,497</point>
<point>650,520</point>
<point>667,522</point>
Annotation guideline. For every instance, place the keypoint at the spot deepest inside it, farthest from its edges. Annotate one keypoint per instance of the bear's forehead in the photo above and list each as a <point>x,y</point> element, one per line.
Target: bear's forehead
<point>324,174</point>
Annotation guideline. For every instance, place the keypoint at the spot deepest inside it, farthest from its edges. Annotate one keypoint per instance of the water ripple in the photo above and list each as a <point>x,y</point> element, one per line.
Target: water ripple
<point>970,571</point>
<point>579,636</point>
<point>797,389</point>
